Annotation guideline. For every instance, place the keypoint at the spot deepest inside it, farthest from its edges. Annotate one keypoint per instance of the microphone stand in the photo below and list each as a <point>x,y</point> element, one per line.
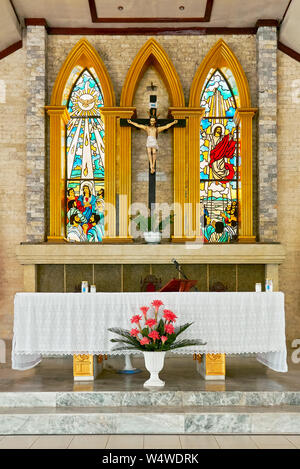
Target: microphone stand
<point>179,269</point>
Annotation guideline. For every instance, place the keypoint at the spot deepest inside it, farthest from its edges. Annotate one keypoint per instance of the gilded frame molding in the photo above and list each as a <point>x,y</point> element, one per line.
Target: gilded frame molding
<point>85,55</point>
<point>222,56</point>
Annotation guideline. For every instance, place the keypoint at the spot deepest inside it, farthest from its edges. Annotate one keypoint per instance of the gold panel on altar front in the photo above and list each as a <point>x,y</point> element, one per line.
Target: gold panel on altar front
<point>215,364</point>
<point>83,366</point>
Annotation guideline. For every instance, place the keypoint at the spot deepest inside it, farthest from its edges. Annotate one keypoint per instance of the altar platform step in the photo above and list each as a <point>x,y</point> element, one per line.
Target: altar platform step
<point>150,399</point>
<point>252,400</point>
<point>144,420</point>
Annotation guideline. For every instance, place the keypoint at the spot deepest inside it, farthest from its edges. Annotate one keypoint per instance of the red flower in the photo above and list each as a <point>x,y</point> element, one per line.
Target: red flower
<point>144,341</point>
<point>169,315</point>
<point>144,310</point>
<point>151,322</point>
<point>164,339</point>
<point>134,332</point>
<point>157,303</point>
<point>136,319</point>
<point>169,329</point>
<point>154,335</point>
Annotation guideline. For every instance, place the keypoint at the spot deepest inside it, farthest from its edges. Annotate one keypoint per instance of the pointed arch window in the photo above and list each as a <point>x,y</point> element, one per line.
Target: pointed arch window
<point>219,158</point>
<point>85,160</point>
<point>220,87</point>
<point>81,92</point>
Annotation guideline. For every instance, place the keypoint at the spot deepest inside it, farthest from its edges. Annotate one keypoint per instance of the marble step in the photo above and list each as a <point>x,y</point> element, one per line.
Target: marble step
<point>148,398</point>
<point>144,420</point>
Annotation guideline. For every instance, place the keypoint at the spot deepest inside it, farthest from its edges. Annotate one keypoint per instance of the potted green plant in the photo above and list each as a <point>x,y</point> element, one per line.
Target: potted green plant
<point>151,226</point>
<point>154,334</point>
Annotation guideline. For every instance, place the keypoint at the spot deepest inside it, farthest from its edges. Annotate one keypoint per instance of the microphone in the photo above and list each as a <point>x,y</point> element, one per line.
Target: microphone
<point>179,268</point>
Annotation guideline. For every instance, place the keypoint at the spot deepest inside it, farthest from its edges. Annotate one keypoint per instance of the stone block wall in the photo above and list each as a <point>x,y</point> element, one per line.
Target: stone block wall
<point>13,182</point>
<point>267,133</point>
<point>36,57</point>
<point>164,164</point>
<point>289,187</point>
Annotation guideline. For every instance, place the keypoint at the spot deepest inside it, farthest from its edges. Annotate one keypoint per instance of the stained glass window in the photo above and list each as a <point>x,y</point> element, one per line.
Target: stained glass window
<point>85,161</point>
<point>219,159</point>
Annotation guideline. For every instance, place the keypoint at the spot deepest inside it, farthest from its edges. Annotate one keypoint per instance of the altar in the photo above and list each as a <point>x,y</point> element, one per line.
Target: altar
<point>77,323</point>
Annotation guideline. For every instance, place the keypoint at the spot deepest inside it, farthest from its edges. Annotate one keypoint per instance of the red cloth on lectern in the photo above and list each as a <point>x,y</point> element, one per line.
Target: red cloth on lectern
<point>224,149</point>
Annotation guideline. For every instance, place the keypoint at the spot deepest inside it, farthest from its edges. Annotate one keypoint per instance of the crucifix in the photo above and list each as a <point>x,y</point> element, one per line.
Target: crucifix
<point>152,126</point>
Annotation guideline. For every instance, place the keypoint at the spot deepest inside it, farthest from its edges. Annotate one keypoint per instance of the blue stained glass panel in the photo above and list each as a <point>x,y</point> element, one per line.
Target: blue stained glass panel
<point>219,159</point>
<point>85,145</point>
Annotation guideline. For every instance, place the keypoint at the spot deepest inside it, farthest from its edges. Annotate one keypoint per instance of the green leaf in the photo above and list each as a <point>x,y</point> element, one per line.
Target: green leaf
<point>161,327</point>
<point>180,329</point>
<point>145,331</point>
<point>115,349</point>
<point>186,343</point>
<point>165,222</point>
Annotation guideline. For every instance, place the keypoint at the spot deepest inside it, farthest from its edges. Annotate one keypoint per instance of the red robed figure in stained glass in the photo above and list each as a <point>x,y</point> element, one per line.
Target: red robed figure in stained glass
<point>224,149</point>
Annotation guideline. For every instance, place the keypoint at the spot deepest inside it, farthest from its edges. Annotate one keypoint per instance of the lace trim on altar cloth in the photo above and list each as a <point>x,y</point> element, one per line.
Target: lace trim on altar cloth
<point>49,353</point>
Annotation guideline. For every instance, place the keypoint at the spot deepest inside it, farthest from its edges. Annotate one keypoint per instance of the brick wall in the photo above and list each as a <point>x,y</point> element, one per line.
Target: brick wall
<point>13,182</point>
<point>289,186</point>
<point>267,133</point>
<point>164,165</point>
<point>186,53</point>
<point>36,57</point>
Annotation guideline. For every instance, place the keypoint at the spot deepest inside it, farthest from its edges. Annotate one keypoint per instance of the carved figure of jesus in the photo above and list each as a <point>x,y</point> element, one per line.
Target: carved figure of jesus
<point>152,132</point>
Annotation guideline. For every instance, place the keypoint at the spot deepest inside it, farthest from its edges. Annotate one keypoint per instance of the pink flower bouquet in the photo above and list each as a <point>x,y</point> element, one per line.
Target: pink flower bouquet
<point>153,331</point>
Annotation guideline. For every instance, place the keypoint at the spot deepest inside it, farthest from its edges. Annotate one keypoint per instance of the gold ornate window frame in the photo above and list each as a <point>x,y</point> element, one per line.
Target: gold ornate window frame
<point>186,140</point>
<point>83,55</point>
<point>222,56</point>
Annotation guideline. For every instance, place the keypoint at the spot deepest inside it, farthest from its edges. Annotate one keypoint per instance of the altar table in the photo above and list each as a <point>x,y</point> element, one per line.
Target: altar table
<point>77,323</point>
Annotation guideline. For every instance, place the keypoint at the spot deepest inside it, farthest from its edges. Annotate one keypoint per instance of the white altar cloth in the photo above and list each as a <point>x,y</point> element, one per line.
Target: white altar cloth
<point>75,323</point>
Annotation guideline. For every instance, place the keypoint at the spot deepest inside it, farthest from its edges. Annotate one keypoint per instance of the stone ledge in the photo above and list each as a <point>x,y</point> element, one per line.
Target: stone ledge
<point>50,253</point>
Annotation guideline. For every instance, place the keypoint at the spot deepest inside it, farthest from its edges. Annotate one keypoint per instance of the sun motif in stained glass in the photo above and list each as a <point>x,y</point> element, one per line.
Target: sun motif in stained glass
<point>86,97</point>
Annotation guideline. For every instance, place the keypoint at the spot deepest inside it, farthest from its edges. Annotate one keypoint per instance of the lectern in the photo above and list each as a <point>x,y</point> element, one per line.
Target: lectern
<point>178,285</point>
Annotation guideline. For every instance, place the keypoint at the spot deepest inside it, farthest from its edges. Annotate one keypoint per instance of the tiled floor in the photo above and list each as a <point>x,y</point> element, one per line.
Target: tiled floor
<point>151,442</point>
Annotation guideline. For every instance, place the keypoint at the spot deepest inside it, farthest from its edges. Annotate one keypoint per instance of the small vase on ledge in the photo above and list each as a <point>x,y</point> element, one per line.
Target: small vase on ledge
<point>154,362</point>
<point>152,237</point>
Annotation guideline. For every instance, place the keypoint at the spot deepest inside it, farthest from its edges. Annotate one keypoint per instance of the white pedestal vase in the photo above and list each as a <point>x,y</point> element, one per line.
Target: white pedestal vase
<point>154,362</point>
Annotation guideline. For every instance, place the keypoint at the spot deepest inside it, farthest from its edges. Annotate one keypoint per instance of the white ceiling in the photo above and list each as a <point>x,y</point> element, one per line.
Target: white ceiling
<point>289,31</point>
<point>76,14</point>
